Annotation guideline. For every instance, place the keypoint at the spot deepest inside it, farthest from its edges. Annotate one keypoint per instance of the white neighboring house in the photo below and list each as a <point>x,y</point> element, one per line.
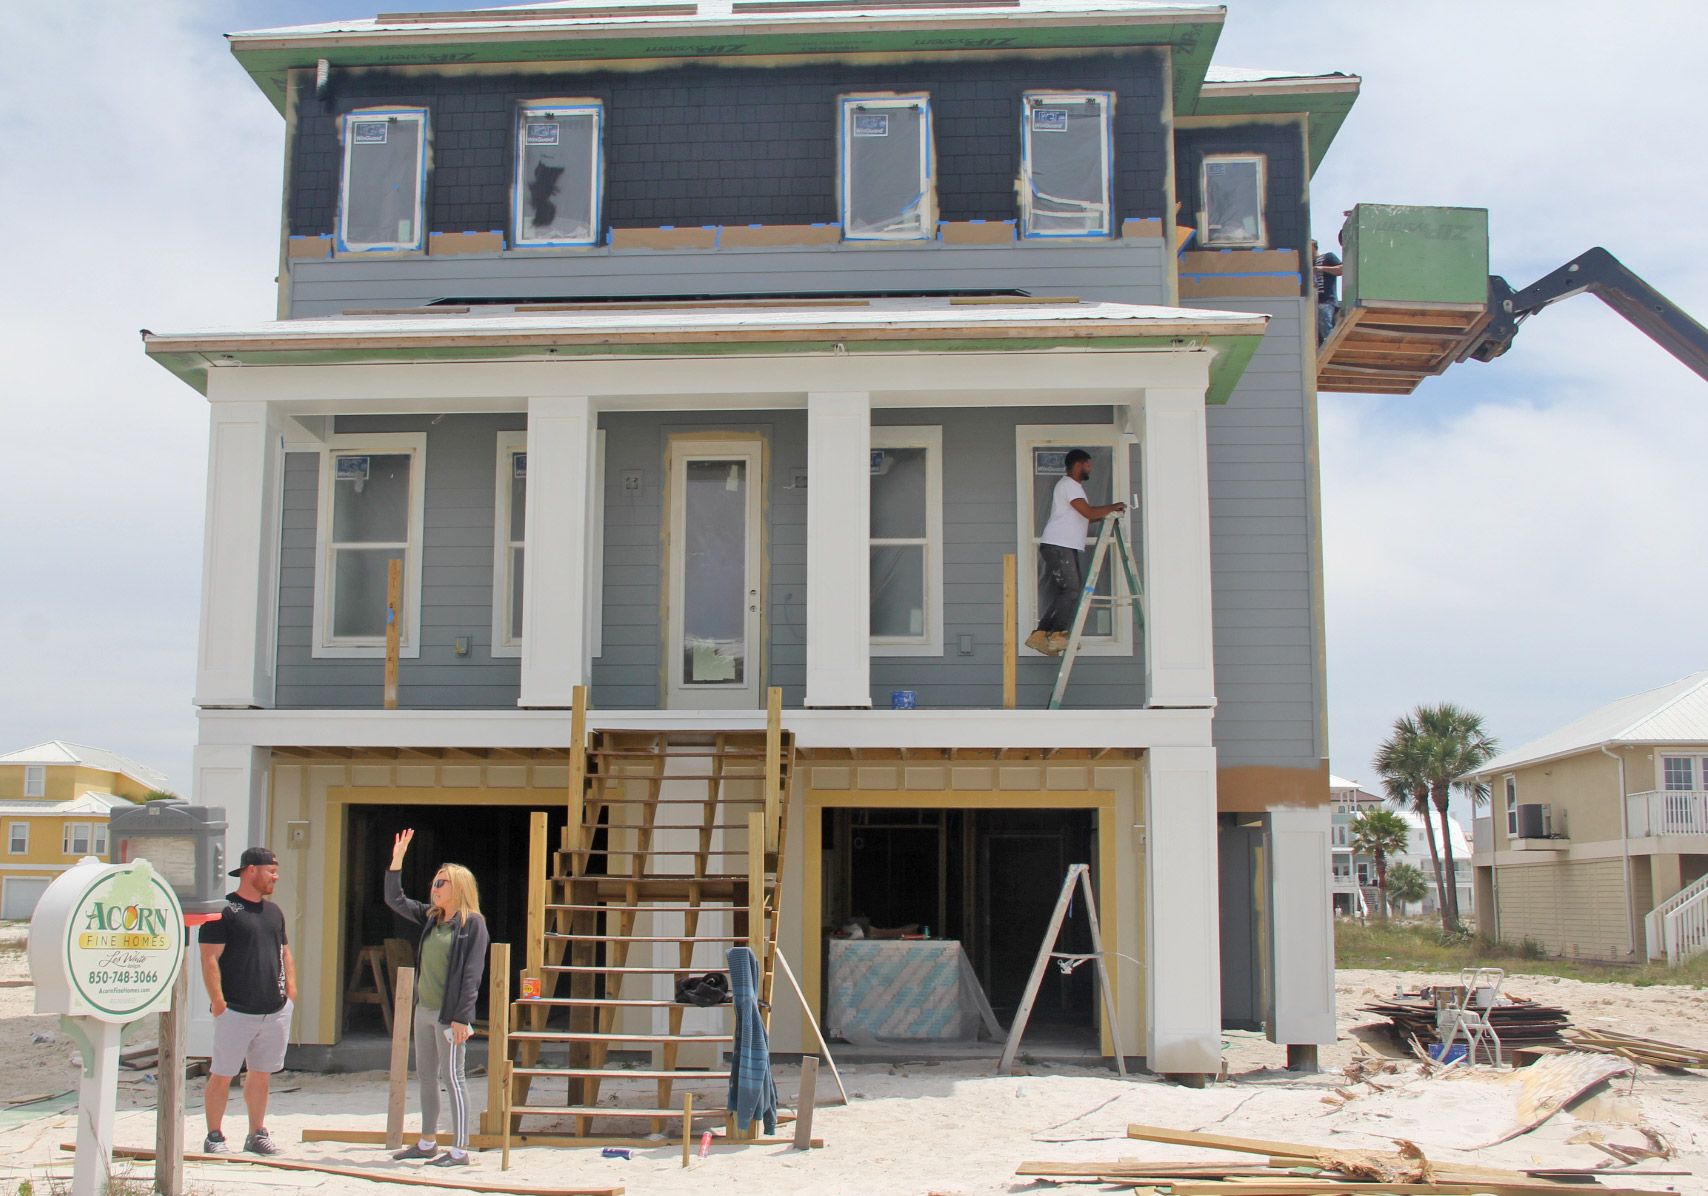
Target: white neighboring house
<point>1353,875</point>
<point>1417,855</point>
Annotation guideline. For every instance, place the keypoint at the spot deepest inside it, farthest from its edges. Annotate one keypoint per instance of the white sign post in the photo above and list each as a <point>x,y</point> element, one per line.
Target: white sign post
<point>106,943</point>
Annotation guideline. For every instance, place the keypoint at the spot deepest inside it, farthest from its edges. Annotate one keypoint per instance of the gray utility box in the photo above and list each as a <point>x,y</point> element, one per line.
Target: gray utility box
<point>184,843</point>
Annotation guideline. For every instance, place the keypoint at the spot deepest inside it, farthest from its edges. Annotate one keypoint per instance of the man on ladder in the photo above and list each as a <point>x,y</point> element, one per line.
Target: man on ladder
<point>1071,517</point>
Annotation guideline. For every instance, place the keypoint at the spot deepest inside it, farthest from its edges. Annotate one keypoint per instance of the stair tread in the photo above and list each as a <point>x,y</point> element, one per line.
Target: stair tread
<point>610,1111</point>
<point>602,1002</point>
<point>594,1073</point>
<point>643,938</point>
<point>646,909</point>
<point>569,967</point>
<point>593,1036</point>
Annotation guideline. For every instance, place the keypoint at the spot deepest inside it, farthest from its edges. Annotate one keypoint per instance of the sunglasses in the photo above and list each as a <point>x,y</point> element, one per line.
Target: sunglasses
<point>441,882</point>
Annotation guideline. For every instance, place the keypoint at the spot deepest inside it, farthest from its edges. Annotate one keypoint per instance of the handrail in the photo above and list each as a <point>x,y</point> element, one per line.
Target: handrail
<point>1686,930</point>
<point>1654,929</point>
<point>1670,812</point>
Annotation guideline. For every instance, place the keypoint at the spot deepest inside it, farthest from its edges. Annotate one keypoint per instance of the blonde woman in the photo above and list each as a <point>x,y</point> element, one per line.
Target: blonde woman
<point>450,961</point>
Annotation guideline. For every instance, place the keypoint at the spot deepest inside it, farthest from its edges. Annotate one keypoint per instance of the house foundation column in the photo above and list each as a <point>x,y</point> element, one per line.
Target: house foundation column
<point>1301,929</point>
<point>839,480</point>
<point>234,778</point>
<point>561,441</point>
<point>240,555</point>
<point>1183,974</point>
<point>1179,650</point>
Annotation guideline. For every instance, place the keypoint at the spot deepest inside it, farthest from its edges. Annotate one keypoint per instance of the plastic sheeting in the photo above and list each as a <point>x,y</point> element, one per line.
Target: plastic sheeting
<point>886,183</point>
<point>1066,175</point>
<point>383,176</point>
<point>896,990</point>
<point>558,176</point>
<point>1233,200</point>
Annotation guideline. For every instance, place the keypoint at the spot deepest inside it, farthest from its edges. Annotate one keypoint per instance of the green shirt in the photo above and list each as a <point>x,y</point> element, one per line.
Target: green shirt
<point>435,965</point>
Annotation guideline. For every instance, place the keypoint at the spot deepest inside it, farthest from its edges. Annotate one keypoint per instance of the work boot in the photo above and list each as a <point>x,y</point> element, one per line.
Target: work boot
<point>260,1142</point>
<point>215,1143</point>
<point>1058,643</point>
<point>1038,641</point>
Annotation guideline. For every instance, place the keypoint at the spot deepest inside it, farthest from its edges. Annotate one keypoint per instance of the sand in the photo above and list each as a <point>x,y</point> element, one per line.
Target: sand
<point>951,1127</point>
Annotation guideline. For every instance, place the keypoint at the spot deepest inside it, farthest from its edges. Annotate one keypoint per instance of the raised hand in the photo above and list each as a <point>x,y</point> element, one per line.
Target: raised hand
<point>400,846</point>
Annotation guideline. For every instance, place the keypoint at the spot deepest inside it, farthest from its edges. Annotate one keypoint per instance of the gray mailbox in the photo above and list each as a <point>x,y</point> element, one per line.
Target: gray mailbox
<point>184,843</point>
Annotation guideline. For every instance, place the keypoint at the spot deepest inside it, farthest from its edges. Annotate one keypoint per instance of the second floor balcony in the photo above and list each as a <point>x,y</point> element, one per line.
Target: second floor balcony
<point>1663,812</point>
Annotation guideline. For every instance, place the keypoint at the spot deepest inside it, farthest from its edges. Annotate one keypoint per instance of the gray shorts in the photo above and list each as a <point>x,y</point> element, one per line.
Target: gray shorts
<point>256,1038</point>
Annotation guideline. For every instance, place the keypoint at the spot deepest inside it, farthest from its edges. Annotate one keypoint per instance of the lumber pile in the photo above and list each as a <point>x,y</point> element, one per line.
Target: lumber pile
<point>1295,1169</point>
<point>1519,1021</point>
<point>1652,1051</point>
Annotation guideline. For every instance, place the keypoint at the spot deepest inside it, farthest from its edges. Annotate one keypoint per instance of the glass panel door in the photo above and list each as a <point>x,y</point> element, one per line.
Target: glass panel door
<point>716,608</point>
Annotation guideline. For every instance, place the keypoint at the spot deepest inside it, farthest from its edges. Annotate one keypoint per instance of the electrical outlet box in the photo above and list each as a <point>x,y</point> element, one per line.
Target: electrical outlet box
<point>631,481</point>
<point>296,834</point>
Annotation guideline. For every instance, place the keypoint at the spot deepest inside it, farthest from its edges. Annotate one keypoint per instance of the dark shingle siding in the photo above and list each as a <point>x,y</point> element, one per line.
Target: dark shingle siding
<point>705,145</point>
<point>1284,199</point>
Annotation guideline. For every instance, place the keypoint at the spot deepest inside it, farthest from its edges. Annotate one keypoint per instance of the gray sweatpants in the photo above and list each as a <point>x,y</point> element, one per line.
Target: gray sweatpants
<point>439,1061</point>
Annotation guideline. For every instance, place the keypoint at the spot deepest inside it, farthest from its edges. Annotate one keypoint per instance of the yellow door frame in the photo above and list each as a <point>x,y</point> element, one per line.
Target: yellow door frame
<point>1101,803</point>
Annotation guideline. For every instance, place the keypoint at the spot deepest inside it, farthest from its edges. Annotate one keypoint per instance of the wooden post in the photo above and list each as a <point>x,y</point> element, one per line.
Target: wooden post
<point>393,628</point>
<point>401,1026</point>
<point>756,887</point>
<point>1010,630</point>
<point>804,1104</point>
<point>502,1071</point>
<point>773,766</point>
<point>538,847</point>
<point>497,1036</point>
<point>577,777</point>
<point>687,1128</point>
<point>169,1082</point>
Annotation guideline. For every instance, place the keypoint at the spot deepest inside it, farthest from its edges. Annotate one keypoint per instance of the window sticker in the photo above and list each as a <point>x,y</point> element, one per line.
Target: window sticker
<point>871,124</point>
<point>352,469</point>
<point>1049,462</point>
<point>877,462</point>
<point>1049,120</point>
<point>520,461</point>
<point>542,132</point>
<point>369,132</point>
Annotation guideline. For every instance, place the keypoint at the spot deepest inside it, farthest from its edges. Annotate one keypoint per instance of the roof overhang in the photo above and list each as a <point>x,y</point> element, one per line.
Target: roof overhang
<point>633,33</point>
<point>612,332</point>
<point>1323,100</point>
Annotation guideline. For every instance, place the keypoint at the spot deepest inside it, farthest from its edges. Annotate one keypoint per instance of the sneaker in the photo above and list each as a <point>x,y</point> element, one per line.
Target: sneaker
<point>450,1159</point>
<point>1038,641</point>
<point>215,1143</point>
<point>415,1151</point>
<point>1057,644</point>
<point>260,1142</point>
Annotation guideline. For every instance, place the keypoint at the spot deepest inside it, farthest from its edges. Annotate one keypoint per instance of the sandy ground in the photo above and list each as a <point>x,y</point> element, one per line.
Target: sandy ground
<point>951,1127</point>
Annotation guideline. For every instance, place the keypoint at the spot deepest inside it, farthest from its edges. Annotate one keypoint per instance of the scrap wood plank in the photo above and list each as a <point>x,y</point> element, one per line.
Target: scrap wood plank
<point>381,1177</point>
<point>1550,1084</point>
<point>1305,1186</point>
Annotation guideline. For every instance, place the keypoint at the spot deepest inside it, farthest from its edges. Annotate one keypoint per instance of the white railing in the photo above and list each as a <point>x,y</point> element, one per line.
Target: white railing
<point>1686,930</point>
<point>1668,812</point>
<point>1654,922</point>
<point>1482,836</point>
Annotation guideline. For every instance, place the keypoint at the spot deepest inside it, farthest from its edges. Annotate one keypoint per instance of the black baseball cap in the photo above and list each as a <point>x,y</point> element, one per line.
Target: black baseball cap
<point>254,857</point>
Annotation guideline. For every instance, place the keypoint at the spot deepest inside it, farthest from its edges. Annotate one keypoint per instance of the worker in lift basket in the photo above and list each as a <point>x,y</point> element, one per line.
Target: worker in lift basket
<point>1071,517</point>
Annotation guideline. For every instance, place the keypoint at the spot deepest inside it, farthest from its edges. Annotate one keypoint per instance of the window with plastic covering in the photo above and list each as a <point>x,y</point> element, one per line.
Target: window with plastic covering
<point>559,174</point>
<point>906,551</point>
<point>1066,171</point>
<point>1231,187</point>
<point>887,192</point>
<point>370,515</point>
<point>382,196</point>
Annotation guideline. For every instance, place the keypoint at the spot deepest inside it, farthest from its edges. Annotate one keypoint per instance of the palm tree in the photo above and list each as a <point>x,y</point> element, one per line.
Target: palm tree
<point>1407,883</point>
<point>1380,834</point>
<point>1402,761</point>
<point>1456,745</point>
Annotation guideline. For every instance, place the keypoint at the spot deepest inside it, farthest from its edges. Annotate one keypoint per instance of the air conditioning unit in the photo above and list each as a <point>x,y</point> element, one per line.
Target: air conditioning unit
<point>1534,820</point>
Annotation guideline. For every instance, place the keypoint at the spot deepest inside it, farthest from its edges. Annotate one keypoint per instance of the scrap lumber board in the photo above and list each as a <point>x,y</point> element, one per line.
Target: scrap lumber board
<point>1174,1137</point>
<point>529,1138</point>
<point>1550,1084</point>
<point>408,1178</point>
<point>1305,1186</point>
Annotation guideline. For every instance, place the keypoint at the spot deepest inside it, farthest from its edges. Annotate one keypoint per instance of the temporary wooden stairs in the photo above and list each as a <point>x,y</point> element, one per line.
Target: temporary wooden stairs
<point>671,855</point>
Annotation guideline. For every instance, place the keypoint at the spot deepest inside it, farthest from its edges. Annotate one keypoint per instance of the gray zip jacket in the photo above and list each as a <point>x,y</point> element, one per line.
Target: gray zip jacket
<point>468,951</point>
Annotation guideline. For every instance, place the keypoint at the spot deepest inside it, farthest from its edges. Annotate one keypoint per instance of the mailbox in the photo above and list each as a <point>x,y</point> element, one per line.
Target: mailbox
<point>184,843</point>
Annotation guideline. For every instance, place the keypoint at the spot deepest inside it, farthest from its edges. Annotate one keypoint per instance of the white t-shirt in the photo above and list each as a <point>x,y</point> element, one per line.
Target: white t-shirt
<point>1067,528</point>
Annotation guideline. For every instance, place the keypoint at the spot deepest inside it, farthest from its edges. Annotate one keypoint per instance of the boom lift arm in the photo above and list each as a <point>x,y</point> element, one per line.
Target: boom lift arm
<point>1604,276</point>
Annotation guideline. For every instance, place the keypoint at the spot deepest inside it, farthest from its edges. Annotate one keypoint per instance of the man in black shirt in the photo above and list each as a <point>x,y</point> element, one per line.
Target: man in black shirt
<point>1326,269</point>
<point>252,986</point>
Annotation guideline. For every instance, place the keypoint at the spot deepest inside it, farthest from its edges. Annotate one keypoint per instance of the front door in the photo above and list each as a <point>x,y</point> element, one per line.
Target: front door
<point>716,605</point>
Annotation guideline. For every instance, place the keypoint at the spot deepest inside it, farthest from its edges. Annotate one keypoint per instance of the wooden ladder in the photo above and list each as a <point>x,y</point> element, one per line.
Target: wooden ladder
<point>683,828</point>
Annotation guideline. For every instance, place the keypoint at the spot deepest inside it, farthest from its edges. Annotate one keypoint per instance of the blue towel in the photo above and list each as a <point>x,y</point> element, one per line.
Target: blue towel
<point>752,1091</point>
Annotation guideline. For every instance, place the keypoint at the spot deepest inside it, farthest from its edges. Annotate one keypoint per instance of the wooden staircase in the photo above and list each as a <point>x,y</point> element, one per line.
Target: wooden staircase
<point>671,855</point>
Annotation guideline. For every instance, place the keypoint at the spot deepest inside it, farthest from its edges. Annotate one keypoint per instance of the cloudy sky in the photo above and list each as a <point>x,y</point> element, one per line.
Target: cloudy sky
<point>1529,538</point>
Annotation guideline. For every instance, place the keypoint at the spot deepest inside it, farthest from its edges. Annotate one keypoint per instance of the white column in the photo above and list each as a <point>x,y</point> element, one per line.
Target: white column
<point>1179,652</point>
<point>1301,927</point>
<point>1183,967</point>
<point>240,554</point>
<point>839,479</point>
<point>234,778</point>
<point>554,594</point>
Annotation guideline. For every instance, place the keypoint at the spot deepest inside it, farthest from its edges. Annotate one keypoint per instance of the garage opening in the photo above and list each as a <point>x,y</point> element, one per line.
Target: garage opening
<point>989,879</point>
<point>490,840</point>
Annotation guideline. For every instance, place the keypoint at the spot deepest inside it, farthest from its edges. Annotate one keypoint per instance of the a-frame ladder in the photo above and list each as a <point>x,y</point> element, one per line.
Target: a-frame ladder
<point>1078,874</point>
<point>1110,538</point>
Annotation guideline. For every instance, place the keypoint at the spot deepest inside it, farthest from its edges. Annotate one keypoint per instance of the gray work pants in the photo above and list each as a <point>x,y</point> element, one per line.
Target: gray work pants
<point>439,1061</point>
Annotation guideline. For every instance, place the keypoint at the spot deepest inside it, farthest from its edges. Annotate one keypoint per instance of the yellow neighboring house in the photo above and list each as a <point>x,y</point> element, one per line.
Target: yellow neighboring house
<point>1596,843</point>
<point>55,800</point>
